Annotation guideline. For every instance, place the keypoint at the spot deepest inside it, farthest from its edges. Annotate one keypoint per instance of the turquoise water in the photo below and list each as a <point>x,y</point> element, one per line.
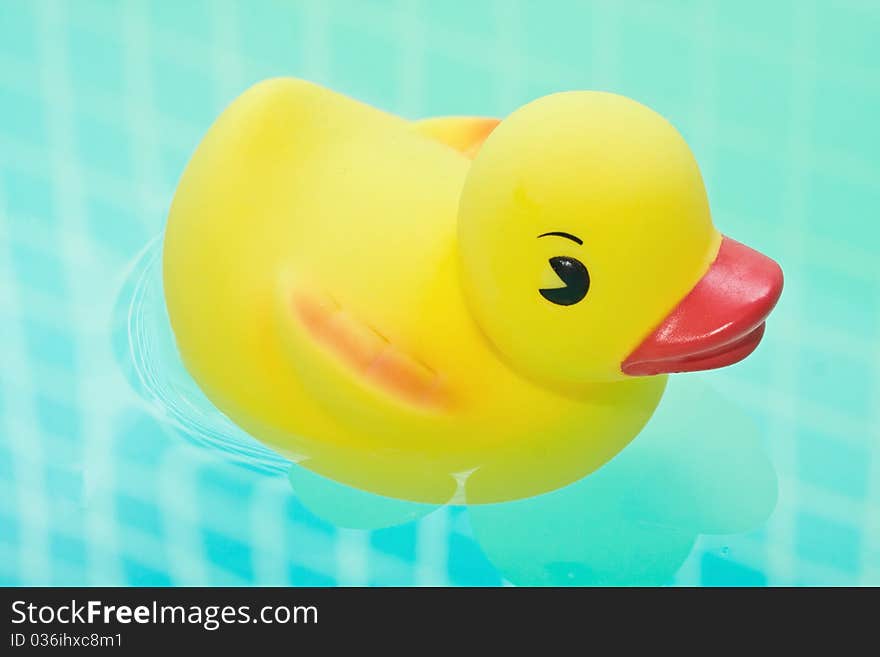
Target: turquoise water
<point>101,104</point>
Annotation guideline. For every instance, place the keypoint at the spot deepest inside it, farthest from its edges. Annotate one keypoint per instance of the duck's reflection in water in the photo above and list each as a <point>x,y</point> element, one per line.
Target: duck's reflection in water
<point>698,468</point>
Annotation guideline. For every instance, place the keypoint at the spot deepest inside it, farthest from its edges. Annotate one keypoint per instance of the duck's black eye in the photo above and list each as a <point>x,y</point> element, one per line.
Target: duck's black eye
<point>576,278</point>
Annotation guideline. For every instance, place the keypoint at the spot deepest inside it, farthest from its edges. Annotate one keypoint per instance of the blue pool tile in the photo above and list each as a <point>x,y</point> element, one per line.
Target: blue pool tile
<point>64,483</point>
<point>9,529</point>
<point>140,439</point>
<point>647,78</point>
<point>10,569</point>
<point>478,19</point>
<point>717,570</point>
<point>28,198</point>
<point>7,469</point>
<point>56,418</point>
<point>754,98</point>
<point>472,90</point>
<point>137,574</point>
<point>841,209</point>
<point>380,576</point>
<point>69,549</point>
<point>562,43</point>
<point>468,565</point>
<point>371,51</point>
<point>844,120</point>
<point>23,118</point>
<point>63,448</point>
<point>856,313</point>
<point>399,541</point>
<point>139,514</point>
<point>103,147</point>
<point>756,200</point>
<point>67,518</point>
<point>95,61</point>
<point>228,554</point>
<point>841,382</point>
<point>191,20</point>
<point>39,269</point>
<point>273,39</point>
<point>832,464</point>
<point>227,487</point>
<point>846,34</point>
<point>100,16</point>
<point>301,576</point>
<point>766,23</point>
<point>827,542</point>
<point>184,92</point>
<point>18,29</point>
<point>298,513</point>
<point>118,229</point>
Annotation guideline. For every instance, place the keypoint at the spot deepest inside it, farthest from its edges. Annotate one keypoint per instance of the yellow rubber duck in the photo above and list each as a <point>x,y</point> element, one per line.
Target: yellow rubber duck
<point>458,309</point>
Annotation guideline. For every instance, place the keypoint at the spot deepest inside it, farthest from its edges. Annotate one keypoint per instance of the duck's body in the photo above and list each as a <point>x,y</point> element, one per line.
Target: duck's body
<point>313,280</point>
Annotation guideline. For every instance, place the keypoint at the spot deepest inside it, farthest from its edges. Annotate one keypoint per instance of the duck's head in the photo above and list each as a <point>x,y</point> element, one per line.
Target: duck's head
<point>588,252</point>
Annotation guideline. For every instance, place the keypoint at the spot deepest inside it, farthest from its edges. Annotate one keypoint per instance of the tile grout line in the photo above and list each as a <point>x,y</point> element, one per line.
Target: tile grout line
<point>26,451</point>
<point>69,191</point>
<point>411,97</point>
<point>781,531</point>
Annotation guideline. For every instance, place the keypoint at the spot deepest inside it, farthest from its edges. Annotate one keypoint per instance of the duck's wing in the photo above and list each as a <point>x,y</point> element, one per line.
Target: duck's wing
<point>465,134</point>
<point>365,351</point>
<point>355,359</point>
<point>381,398</point>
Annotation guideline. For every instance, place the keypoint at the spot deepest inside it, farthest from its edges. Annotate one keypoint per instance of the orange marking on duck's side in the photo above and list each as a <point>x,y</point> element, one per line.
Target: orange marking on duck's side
<point>370,354</point>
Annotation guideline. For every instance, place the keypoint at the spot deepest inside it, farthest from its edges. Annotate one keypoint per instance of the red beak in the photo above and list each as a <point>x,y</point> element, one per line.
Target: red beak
<point>719,322</point>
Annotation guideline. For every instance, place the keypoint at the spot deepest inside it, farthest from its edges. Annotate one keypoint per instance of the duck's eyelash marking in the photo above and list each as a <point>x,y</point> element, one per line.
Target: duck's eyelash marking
<point>567,236</point>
